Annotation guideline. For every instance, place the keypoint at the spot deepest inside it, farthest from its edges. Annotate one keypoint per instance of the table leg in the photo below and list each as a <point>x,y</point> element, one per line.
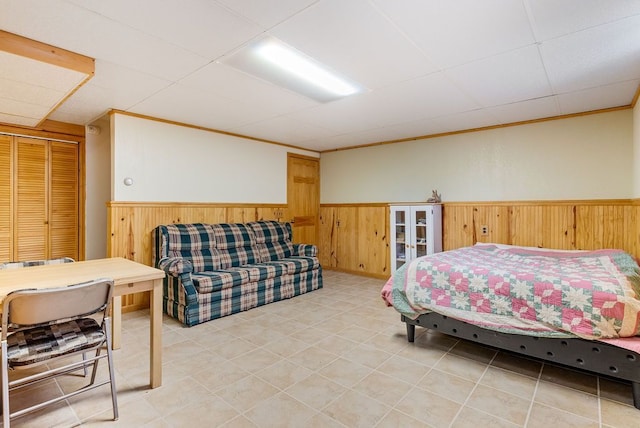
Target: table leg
<point>155,351</point>
<point>116,322</point>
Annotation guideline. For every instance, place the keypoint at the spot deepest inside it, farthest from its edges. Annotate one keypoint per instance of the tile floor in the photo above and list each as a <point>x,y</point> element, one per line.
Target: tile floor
<point>336,357</point>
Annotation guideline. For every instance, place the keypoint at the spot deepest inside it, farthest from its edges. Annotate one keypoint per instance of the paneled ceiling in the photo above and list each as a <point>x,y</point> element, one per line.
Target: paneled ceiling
<point>429,66</point>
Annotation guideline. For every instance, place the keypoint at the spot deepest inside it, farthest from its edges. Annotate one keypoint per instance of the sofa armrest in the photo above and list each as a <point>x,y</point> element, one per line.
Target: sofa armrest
<point>307,250</point>
<point>175,266</point>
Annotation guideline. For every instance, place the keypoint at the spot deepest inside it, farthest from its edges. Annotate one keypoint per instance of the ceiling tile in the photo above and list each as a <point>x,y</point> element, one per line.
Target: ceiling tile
<point>355,40</point>
<point>594,57</point>
<point>83,31</point>
<point>525,110</point>
<point>456,32</point>
<point>196,107</point>
<point>284,130</point>
<point>267,13</point>
<point>616,95</point>
<point>230,83</point>
<point>553,18</point>
<point>200,26</point>
<point>488,83</point>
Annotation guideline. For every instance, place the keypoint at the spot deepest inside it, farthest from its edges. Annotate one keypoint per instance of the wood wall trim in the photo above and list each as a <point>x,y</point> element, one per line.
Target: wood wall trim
<point>43,52</point>
<point>49,129</point>
<point>115,204</point>
<point>497,203</point>
<point>635,97</point>
<point>363,204</point>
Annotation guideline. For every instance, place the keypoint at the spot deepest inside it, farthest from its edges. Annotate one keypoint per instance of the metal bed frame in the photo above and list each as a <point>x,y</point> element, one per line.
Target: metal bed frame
<point>593,356</point>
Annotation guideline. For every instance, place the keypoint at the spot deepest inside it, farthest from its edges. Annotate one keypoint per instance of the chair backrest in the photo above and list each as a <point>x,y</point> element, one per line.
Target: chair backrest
<point>29,263</point>
<point>29,307</point>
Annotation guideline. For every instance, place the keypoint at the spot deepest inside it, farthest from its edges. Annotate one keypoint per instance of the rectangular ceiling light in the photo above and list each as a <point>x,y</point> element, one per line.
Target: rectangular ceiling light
<point>35,78</point>
<point>274,61</point>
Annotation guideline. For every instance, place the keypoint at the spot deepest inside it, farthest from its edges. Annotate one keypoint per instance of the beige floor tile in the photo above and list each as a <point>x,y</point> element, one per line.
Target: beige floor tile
<point>461,367</point>
<point>320,420</point>
<point>447,385</point>
<point>283,374</point>
<point>396,419</point>
<point>517,364</point>
<point>316,391</point>
<point>211,412</point>
<point>355,410</point>
<point>281,410</point>
<point>218,376</point>
<point>386,389</point>
<point>619,415</point>
<point>256,360</point>
<point>286,346</point>
<point>368,355</point>
<point>504,380</point>
<point>343,366</point>
<point>313,358</point>
<point>568,399</point>
<point>428,407</point>
<point>469,417</point>
<point>473,351</point>
<point>544,417</point>
<point>345,372</point>
<point>247,393</point>
<point>501,404</point>
<point>404,369</point>
<point>570,378</point>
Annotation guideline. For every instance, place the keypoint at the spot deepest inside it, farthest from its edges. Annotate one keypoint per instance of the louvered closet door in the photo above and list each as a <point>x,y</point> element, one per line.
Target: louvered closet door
<point>6,246</point>
<point>63,200</point>
<point>30,219</point>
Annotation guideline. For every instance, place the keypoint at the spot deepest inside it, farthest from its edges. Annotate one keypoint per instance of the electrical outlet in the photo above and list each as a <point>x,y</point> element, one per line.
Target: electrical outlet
<point>484,229</point>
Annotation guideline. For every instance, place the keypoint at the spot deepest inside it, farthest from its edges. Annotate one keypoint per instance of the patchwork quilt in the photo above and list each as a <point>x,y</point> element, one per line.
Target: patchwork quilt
<point>549,293</point>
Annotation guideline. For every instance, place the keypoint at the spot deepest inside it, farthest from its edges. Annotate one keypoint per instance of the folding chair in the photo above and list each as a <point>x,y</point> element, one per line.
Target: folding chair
<point>40,326</point>
<point>29,263</point>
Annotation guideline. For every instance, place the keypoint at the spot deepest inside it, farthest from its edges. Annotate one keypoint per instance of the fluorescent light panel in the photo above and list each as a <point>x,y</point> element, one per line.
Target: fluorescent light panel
<point>274,61</point>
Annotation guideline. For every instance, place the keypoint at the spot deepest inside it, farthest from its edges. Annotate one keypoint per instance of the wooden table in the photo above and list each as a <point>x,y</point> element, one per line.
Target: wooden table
<point>128,276</point>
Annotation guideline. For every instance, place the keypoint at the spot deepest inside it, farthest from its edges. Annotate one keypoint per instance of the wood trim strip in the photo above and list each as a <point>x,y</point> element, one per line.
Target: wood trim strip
<point>39,51</point>
<point>497,203</point>
<point>635,97</point>
<point>49,130</point>
<point>116,204</point>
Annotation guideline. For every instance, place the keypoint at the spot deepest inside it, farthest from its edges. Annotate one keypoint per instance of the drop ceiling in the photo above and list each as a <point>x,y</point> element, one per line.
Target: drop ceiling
<point>428,66</point>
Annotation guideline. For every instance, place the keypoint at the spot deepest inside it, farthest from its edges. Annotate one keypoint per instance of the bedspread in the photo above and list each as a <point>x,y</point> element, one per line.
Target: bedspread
<point>590,294</point>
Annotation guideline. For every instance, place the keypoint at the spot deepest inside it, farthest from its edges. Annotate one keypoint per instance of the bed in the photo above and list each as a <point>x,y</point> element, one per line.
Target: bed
<point>575,308</point>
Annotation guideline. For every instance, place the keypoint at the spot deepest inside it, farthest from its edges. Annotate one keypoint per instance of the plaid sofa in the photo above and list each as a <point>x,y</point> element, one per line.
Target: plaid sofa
<point>214,270</point>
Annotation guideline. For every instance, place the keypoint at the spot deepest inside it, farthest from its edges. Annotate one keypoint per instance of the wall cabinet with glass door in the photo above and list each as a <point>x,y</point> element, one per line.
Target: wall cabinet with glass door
<point>416,231</point>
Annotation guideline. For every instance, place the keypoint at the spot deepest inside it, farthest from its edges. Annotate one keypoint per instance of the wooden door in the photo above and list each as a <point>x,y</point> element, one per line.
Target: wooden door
<point>63,200</point>
<point>6,243</point>
<point>30,214</point>
<point>303,197</point>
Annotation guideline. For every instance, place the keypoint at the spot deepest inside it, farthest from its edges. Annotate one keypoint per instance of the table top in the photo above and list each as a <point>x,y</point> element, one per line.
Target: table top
<point>121,270</point>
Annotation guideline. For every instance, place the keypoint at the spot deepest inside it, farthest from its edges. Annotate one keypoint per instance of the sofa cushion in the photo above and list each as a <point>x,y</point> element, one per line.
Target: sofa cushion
<point>233,235</point>
<point>208,282</point>
<point>262,271</point>
<point>273,238</point>
<point>189,237</point>
<point>297,264</point>
<point>202,260</point>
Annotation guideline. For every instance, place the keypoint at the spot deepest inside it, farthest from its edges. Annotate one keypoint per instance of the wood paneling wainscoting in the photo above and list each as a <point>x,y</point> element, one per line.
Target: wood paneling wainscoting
<point>353,237</point>
<point>129,227</point>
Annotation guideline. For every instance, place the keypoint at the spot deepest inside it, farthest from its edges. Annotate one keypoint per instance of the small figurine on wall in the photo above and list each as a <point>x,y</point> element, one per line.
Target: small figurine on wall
<point>435,197</point>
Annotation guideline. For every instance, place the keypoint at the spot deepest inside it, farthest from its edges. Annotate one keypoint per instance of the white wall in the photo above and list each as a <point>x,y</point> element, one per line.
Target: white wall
<point>585,157</point>
<point>171,163</point>
<point>636,150</point>
<point>98,181</point>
